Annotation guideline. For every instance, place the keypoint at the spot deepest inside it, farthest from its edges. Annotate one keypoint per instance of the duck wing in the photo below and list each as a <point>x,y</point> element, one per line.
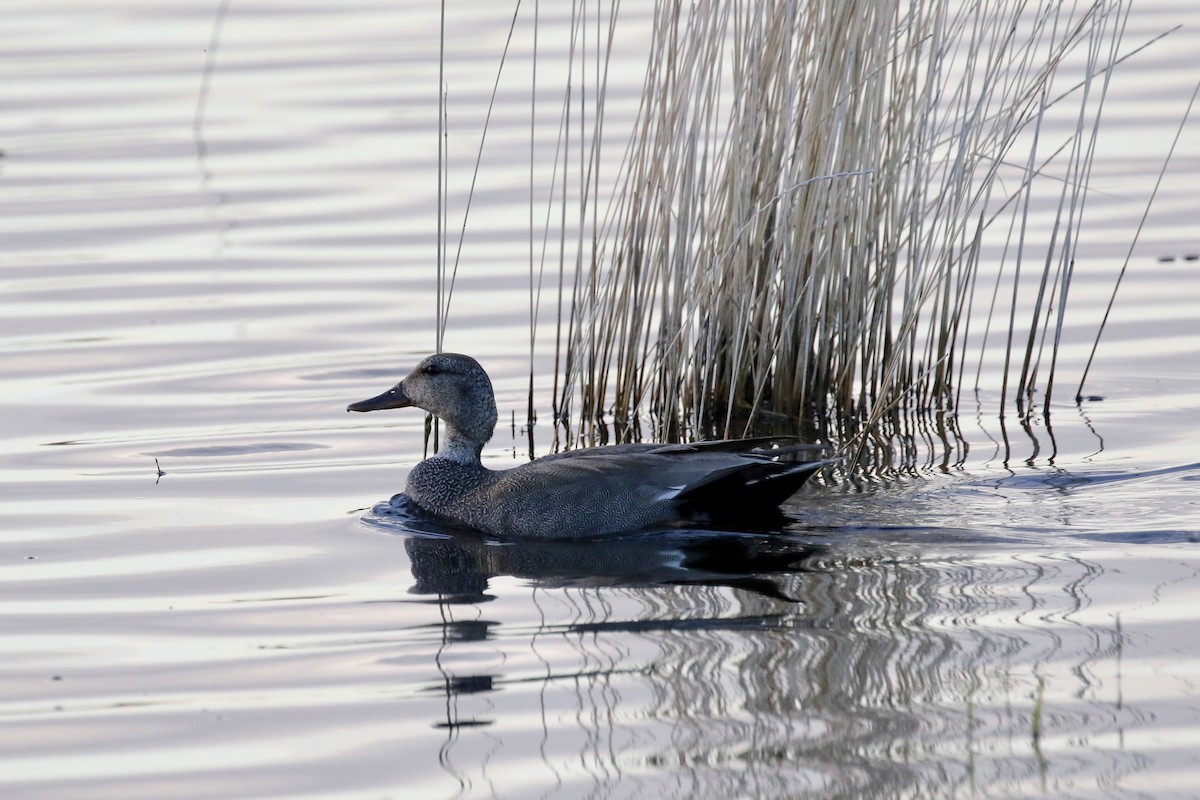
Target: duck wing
<point>628,487</point>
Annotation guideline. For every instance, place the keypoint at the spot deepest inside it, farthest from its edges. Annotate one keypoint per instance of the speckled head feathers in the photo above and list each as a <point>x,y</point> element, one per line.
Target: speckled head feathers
<point>452,387</point>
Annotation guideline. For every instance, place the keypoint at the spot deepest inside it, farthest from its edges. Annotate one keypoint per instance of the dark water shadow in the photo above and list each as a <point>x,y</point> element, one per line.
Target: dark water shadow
<point>1064,479</point>
<point>1127,506</point>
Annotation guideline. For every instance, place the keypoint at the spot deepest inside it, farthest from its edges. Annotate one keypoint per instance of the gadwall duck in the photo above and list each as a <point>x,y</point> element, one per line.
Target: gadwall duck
<point>580,493</point>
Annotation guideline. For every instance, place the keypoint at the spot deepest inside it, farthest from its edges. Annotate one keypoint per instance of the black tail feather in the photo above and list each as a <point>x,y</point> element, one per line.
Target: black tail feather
<point>747,491</point>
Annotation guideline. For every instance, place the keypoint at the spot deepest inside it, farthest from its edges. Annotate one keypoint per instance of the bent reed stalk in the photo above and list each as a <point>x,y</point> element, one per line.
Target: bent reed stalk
<point>798,226</point>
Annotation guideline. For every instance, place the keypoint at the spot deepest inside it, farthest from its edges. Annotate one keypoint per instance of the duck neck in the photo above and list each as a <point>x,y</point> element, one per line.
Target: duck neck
<point>460,447</point>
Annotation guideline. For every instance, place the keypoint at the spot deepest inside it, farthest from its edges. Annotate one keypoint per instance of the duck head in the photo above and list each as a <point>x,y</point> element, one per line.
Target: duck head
<point>452,387</point>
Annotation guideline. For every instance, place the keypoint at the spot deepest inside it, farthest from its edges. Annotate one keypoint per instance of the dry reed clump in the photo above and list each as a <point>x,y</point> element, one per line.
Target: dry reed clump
<point>799,219</point>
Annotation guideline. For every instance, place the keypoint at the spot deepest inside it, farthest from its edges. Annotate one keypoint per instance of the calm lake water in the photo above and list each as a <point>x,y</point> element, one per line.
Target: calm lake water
<point>197,274</point>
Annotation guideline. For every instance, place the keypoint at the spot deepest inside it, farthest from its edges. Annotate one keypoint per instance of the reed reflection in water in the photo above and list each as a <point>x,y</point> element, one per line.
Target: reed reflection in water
<point>723,667</point>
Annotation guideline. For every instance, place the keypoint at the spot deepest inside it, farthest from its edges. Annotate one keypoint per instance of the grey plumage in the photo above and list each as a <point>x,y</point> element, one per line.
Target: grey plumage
<point>580,493</point>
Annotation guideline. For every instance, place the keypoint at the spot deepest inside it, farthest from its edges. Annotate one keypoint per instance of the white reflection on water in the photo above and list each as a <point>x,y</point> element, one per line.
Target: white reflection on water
<point>232,629</point>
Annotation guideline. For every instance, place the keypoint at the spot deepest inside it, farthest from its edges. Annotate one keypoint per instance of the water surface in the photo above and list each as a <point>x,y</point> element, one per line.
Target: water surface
<point>199,288</point>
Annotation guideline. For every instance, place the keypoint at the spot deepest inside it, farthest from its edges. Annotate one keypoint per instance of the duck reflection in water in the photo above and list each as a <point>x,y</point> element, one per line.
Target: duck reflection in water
<point>458,567</point>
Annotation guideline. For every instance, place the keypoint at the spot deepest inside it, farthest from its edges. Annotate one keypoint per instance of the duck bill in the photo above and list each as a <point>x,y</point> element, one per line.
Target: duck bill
<point>392,398</point>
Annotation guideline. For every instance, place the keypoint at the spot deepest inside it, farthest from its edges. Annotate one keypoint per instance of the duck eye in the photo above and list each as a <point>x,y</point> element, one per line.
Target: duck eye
<point>431,369</point>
